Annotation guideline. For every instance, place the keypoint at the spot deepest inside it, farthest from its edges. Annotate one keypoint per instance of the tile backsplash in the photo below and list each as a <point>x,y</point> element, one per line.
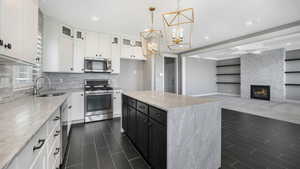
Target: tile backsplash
<point>15,81</point>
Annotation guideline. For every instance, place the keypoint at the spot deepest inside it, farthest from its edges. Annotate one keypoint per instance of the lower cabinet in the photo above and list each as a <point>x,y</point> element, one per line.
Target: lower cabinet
<point>131,124</point>
<point>41,161</point>
<point>157,145</point>
<point>147,132</point>
<point>142,139</point>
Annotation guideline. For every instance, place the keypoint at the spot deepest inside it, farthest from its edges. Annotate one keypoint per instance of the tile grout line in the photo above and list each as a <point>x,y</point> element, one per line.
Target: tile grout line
<point>110,154</point>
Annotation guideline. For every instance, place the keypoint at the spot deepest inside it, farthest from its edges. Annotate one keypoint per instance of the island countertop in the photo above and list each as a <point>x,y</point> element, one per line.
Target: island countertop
<point>167,101</point>
<point>20,120</point>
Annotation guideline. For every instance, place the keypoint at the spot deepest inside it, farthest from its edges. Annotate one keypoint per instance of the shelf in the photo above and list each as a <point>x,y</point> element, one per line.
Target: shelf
<point>227,74</point>
<point>293,72</point>
<point>296,59</point>
<point>228,83</point>
<point>229,65</point>
<point>291,84</point>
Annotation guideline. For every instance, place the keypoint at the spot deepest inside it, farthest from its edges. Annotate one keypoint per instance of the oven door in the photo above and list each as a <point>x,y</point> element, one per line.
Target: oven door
<point>98,106</point>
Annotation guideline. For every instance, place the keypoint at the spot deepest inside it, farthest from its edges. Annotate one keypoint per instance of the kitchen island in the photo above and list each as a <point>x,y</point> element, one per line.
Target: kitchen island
<point>173,131</point>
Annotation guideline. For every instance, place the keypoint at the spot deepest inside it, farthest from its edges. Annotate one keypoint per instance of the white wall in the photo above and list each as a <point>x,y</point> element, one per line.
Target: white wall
<point>199,76</point>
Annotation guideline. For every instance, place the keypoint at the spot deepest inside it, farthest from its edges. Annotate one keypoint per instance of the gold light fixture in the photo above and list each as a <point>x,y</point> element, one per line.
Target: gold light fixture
<point>178,26</point>
<point>151,38</point>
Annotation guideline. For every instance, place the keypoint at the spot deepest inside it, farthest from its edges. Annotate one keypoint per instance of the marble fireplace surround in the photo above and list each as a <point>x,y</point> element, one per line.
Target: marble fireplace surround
<point>266,68</point>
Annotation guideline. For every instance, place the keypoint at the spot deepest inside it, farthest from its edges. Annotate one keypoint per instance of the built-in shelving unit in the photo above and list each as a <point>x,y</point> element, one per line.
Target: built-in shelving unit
<point>228,83</point>
<point>294,59</point>
<point>291,84</point>
<point>292,72</point>
<point>228,76</point>
<point>229,65</point>
<point>292,75</point>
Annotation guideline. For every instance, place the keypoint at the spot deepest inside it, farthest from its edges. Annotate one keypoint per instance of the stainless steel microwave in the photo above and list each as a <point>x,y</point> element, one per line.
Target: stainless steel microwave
<point>97,65</point>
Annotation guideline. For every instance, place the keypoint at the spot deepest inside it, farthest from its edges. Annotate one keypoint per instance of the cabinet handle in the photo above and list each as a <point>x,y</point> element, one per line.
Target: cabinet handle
<point>8,46</point>
<point>81,94</point>
<point>70,107</point>
<point>1,42</point>
<point>56,118</point>
<point>56,133</point>
<point>56,151</point>
<point>41,142</point>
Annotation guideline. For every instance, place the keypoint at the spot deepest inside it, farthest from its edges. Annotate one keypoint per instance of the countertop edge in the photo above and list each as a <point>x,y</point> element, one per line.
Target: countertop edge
<point>8,163</point>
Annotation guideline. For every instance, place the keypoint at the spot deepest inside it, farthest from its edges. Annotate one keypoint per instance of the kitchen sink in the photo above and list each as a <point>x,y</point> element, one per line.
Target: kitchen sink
<point>51,94</point>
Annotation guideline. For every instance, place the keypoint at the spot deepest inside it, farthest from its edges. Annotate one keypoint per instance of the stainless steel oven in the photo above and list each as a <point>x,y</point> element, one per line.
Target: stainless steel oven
<point>97,65</point>
<point>98,101</point>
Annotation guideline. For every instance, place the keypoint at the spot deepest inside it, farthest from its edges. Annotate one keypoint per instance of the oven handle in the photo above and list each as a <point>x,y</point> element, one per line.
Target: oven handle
<point>97,94</point>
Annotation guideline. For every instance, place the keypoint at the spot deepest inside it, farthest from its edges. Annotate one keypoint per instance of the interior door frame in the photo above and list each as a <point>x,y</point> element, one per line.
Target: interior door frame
<point>168,55</point>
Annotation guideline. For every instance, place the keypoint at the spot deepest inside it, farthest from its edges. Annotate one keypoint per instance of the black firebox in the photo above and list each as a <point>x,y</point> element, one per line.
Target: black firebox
<point>260,92</point>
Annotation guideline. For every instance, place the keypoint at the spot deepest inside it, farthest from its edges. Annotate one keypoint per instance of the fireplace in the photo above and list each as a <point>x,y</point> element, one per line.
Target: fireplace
<point>260,92</point>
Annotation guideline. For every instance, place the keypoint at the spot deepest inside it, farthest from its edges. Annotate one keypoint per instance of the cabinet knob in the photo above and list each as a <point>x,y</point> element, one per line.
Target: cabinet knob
<point>81,94</point>
<point>71,69</point>
<point>70,107</point>
<point>1,42</point>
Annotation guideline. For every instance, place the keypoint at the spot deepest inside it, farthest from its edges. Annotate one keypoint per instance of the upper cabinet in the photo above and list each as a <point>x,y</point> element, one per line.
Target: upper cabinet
<point>79,50</point>
<point>66,49</point>
<point>132,49</point>
<point>98,45</point>
<point>19,29</point>
<point>115,53</point>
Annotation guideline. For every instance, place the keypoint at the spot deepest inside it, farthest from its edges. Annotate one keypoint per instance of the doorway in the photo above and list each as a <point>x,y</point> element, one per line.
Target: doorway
<point>170,75</point>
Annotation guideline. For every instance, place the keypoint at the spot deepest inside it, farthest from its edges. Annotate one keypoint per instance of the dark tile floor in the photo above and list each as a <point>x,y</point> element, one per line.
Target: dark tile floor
<point>248,142</point>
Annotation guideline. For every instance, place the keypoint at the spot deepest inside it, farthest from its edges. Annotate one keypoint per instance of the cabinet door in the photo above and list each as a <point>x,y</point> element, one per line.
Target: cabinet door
<point>142,133</point>
<point>124,116</point>
<point>157,145</point>
<point>79,51</point>
<point>66,50</point>
<point>117,104</point>
<point>132,124</point>
<point>30,30</point>
<point>41,161</point>
<point>105,45</point>
<point>126,49</point>
<point>77,113</point>
<point>92,44</point>
<point>11,27</point>
<point>116,54</point>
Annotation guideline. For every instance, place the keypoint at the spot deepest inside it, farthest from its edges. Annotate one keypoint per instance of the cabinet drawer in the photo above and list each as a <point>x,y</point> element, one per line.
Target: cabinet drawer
<point>142,107</point>
<point>158,115</point>
<point>132,102</point>
<point>54,154</point>
<point>53,121</point>
<point>32,149</point>
<point>56,133</point>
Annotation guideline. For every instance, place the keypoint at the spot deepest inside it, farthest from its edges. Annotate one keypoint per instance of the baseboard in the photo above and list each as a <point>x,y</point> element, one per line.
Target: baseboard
<point>207,94</point>
<point>292,101</point>
<point>229,94</point>
<point>78,121</point>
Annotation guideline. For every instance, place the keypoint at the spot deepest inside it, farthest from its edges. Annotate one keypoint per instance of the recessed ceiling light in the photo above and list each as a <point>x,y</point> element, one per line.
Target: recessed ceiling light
<point>257,52</point>
<point>288,44</point>
<point>206,38</point>
<point>249,23</point>
<point>94,18</point>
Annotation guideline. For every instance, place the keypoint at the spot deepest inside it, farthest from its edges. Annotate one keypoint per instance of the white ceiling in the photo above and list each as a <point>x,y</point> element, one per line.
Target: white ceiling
<point>216,19</point>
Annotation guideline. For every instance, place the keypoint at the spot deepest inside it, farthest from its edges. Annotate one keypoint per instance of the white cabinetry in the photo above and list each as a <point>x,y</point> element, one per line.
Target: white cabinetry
<point>41,161</point>
<point>132,49</point>
<point>98,45</point>
<point>30,30</point>
<point>117,103</point>
<point>92,44</point>
<point>79,51</point>
<point>18,29</point>
<point>115,54</point>
<point>66,49</point>
<point>78,107</point>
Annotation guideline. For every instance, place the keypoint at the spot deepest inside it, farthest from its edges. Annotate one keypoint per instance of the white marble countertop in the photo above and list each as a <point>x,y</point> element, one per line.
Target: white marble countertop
<point>167,101</point>
<point>20,120</point>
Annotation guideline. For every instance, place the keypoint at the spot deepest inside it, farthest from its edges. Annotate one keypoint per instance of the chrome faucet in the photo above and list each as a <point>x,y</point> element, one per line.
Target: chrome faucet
<point>36,90</point>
